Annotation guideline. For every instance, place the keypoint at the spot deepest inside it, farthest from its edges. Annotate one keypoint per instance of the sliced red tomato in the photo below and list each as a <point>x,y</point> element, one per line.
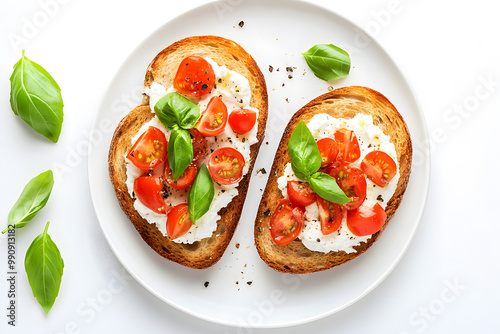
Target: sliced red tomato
<point>366,221</point>
<point>242,121</point>
<point>286,222</point>
<point>348,145</point>
<point>226,165</point>
<point>330,216</point>
<point>200,146</point>
<point>329,149</point>
<point>150,150</point>
<point>300,193</point>
<point>352,181</point>
<point>149,190</point>
<point>379,167</point>
<point>214,119</point>
<point>194,77</point>
<point>178,221</point>
<point>184,181</point>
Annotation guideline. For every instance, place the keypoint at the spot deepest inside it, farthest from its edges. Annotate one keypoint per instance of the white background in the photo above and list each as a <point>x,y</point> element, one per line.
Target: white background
<point>446,282</point>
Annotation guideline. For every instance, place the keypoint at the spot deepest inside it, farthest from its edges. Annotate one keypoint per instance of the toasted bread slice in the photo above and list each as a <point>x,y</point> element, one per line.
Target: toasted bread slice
<point>205,253</point>
<point>341,103</point>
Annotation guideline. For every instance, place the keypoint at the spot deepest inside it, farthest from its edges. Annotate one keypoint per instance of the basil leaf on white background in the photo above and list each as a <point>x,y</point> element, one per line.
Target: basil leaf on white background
<point>33,198</point>
<point>328,62</point>
<point>44,267</point>
<point>36,97</point>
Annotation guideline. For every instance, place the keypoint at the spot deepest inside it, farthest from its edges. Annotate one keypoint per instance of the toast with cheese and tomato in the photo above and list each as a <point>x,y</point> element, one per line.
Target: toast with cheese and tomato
<point>339,174</point>
<point>180,163</point>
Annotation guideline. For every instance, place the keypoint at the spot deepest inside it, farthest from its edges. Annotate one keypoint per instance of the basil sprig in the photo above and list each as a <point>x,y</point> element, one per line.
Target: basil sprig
<point>33,198</point>
<point>44,265</point>
<point>327,188</point>
<point>306,160</point>
<point>180,151</point>
<point>179,115</point>
<point>328,62</point>
<point>304,152</point>
<point>174,109</point>
<point>201,194</point>
<point>36,97</point>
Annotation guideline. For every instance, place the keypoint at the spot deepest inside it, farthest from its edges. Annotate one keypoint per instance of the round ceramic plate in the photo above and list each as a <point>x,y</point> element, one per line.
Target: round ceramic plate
<point>240,289</point>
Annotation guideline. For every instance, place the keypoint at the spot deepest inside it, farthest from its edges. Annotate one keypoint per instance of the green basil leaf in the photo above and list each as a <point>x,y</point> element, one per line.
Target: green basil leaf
<point>32,199</point>
<point>327,61</point>
<point>304,152</point>
<point>175,109</point>
<point>327,188</point>
<point>44,266</point>
<point>36,98</point>
<point>201,194</point>
<point>180,151</point>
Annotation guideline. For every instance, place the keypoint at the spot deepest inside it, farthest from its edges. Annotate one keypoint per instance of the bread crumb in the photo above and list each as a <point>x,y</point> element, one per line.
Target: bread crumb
<point>241,24</point>
<point>237,245</point>
<point>261,171</point>
<point>249,282</point>
<point>206,284</point>
<point>330,88</point>
<point>270,68</point>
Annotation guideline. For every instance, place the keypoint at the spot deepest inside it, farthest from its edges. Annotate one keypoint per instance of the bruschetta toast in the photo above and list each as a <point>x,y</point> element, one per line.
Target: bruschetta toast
<point>236,70</point>
<point>341,105</point>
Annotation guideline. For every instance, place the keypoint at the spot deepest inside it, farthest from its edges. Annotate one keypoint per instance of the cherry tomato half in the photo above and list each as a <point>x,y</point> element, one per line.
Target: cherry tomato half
<point>366,221</point>
<point>286,222</point>
<point>379,167</point>
<point>242,121</point>
<point>348,145</point>
<point>214,119</point>
<point>226,165</point>
<point>195,77</point>
<point>184,181</point>
<point>300,193</point>
<point>329,149</point>
<point>149,190</point>
<point>150,150</point>
<point>178,221</point>
<point>352,181</point>
<point>200,146</point>
<point>330,216</point>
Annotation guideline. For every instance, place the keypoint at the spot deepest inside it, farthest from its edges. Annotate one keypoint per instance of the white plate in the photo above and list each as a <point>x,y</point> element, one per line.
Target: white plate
<point>242,290</point>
